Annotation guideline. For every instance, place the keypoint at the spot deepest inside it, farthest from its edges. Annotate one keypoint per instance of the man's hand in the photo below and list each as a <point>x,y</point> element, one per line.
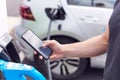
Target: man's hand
<point>56,47</point>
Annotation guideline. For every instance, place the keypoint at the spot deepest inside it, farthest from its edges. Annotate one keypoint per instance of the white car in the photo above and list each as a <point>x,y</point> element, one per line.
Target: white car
<point>70,21</point>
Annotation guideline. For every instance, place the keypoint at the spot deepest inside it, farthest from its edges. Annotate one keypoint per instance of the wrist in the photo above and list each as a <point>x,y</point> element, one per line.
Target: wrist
<point>63,52</point>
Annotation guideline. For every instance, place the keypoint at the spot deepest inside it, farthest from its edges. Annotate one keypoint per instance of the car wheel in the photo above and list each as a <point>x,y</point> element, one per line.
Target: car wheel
<point>67,68</point>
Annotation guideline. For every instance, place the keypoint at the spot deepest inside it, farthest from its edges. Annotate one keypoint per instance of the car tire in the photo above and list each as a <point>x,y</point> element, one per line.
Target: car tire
<point>80,64</point>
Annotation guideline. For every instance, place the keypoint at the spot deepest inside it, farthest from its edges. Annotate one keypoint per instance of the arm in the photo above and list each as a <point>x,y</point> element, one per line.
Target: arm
<point>92,47</point>
<point>89,48</point>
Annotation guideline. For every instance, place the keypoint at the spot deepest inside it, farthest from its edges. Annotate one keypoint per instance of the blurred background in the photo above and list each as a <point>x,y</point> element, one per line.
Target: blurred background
<point>13,7</point>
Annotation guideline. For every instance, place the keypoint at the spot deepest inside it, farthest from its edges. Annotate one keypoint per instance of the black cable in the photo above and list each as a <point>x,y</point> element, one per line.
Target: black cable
<point>3,55</point>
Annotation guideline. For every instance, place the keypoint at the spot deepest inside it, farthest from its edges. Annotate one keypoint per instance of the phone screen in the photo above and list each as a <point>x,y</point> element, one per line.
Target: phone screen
<point>36,43</point>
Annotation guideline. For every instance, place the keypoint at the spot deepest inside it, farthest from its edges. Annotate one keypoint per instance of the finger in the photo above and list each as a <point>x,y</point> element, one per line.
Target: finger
<point>40,57</point>
<point>35,52</point>
<point>53,57</point>
<point>49,43</point>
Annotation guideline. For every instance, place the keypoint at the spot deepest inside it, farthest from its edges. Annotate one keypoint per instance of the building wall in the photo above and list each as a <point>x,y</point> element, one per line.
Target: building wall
<point>13,7</point>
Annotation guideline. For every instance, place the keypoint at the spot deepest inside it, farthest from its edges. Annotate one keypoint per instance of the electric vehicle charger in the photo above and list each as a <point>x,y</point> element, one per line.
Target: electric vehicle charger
<point>14,70</point>
<point>53,14</point>
<point>8,49</point>
<point>17,71</point>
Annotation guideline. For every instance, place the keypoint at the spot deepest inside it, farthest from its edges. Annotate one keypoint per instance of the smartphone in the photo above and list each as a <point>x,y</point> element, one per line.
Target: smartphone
<point>36,43</point>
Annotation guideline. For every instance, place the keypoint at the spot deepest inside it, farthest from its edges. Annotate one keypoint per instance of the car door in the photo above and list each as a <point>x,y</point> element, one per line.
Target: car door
<point>91,15</point>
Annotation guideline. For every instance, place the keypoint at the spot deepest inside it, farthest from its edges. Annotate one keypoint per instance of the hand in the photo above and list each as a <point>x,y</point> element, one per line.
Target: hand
<point>56,47</point>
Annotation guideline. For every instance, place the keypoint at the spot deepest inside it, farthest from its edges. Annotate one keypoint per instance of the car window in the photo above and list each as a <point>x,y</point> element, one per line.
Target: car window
<point>94,3</point>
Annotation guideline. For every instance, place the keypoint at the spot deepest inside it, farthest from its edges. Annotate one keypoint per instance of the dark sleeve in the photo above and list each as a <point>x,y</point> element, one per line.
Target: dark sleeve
<point>117,1</point>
